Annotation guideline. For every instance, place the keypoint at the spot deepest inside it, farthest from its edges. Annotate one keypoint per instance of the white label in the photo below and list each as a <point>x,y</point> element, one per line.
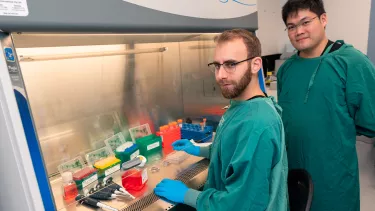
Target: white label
<point>144,176</point>
<point>90,180</point>
<point>201,8</point>
<point>14,8</point>
<point>135,154</point>
<point>153,146</point>
<point>112,169</point>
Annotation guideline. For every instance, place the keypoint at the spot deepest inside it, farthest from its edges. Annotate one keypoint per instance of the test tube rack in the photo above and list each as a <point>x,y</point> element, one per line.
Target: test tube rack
<point>169,135</point>
<point>195,132</point>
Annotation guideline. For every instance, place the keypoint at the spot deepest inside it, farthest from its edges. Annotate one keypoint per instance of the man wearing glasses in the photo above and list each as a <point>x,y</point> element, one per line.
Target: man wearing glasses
<point>248,163</point>
<point>327,93</point>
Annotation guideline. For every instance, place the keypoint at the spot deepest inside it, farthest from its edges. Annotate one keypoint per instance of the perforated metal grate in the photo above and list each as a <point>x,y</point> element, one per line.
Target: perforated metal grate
<point>184,176</point>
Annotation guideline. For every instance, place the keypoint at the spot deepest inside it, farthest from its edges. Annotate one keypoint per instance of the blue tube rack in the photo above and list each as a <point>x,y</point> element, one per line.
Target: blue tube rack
<point>195,132</point>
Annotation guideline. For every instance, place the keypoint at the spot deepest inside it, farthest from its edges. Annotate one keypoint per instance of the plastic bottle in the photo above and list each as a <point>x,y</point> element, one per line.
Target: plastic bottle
<point>165,128</point>
<point>171,126</point>
<point>179,123</point>
<point>202,126</point>
<point>70,190</point>
<point>268,78</point>
<point>134,179</point>
<point>175,125</point>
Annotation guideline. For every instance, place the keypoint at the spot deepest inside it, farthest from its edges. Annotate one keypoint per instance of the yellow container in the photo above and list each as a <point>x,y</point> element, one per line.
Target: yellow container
<point>107,166</point>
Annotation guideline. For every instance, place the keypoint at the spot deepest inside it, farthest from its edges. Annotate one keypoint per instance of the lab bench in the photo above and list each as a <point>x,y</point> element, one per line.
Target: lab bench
<point>192,171</point>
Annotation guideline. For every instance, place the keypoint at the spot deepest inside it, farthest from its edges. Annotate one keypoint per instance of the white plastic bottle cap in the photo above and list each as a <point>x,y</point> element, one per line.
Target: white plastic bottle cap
<point>67,177</point>
<point>143,159</point>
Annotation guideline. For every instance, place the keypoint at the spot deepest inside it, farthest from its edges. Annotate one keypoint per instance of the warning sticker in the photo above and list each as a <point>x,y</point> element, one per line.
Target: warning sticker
<point>13,8</point>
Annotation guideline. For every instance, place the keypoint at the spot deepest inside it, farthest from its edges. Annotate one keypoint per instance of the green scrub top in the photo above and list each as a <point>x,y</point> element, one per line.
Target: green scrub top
<point>326,102</point>
<point>248,164</point>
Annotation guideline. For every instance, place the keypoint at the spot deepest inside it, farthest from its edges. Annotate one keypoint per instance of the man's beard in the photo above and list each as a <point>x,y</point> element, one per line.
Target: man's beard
<point>238,87</point>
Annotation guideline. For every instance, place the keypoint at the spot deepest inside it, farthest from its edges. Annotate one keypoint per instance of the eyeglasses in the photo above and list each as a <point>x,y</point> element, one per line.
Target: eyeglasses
<point>229,66</point>
<point>305,23</point>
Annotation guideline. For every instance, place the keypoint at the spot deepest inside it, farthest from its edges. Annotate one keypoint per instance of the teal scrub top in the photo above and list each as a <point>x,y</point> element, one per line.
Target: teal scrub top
<point>248,164</point>
<point>326,102</point>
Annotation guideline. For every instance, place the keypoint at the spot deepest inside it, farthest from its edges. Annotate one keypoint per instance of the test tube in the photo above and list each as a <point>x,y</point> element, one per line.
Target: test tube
<point>175,125</point>
<point>179,123</point>
<point>171,126</point>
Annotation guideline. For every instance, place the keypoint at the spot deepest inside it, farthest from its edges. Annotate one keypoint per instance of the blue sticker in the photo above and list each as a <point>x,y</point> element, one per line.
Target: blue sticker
<point>9,55</point>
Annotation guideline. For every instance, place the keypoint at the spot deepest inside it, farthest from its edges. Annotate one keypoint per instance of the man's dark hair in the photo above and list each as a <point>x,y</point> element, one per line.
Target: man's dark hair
<point>293,6</point>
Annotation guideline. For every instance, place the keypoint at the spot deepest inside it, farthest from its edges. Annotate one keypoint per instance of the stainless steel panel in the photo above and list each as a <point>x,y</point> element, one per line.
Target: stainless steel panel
<point>201,94</point>
<point>77,103</point>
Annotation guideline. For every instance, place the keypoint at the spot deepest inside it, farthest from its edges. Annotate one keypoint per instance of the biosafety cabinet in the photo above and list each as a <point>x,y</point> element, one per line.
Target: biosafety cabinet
<point>89,88</point>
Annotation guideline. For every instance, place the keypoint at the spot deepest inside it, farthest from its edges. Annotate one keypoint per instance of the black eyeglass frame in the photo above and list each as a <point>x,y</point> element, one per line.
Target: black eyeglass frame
<point>233,64</point>
<point>303,23</point>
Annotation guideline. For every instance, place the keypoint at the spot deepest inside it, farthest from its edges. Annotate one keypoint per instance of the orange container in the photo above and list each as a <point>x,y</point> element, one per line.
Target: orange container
<point>169,134</point>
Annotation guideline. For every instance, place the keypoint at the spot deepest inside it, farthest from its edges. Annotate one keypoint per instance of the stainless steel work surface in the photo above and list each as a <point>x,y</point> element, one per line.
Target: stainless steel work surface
<point>192,171</point>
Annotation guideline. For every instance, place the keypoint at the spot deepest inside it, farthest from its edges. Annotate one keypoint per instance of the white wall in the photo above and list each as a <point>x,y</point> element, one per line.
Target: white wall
<point>366,161</point>
<point>271,28</point>
<point>345,22</point>
<point>349,21</point>
<point>371,38</point>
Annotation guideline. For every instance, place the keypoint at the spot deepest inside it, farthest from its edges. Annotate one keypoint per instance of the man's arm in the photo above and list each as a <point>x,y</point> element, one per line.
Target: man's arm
<point>360,95</point>
<point>247,181</point>
<point>205,151</point>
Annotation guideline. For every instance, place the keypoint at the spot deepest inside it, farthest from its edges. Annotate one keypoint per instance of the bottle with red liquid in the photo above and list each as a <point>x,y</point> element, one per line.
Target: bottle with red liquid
<point>134,179</point>
<point>70,190</point>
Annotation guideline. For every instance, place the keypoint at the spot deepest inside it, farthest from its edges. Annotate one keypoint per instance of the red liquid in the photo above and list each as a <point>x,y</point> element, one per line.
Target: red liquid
<point>132,180</point>
<point>70,192</point>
